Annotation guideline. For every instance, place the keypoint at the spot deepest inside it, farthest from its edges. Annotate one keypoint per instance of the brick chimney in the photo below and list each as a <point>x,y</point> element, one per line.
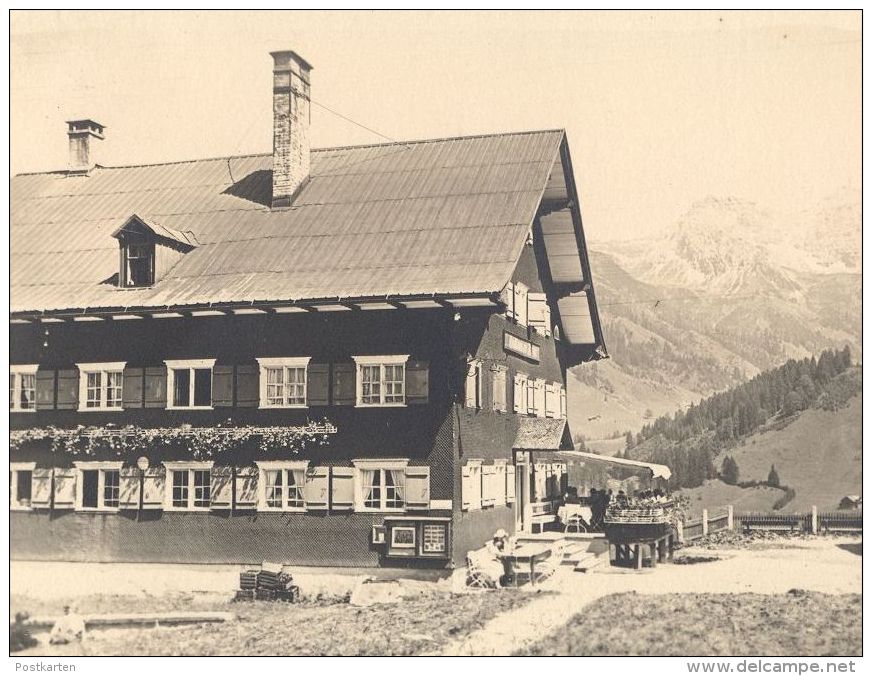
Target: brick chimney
<point>290,126</point>
<point>84,136</point>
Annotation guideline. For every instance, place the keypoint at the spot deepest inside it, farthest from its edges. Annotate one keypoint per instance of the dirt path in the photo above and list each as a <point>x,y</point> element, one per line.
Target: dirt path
<point>817,565</point>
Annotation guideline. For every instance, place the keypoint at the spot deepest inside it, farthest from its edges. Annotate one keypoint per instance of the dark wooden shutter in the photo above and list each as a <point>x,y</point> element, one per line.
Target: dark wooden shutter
<point>222,386</point>
<point>68,389</point>
<point>155,387</point>
<point>417,382</point>
<point>316,386</point>
<point>344,384</point>
<point>132,396</point>
<point>45,389</point>
<point>248,385</point>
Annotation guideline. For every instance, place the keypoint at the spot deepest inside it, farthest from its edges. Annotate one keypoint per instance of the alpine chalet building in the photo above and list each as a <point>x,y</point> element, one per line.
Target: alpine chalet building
<point>350,356</point>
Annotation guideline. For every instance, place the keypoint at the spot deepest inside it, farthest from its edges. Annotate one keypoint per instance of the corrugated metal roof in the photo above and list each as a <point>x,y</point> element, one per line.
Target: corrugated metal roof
<point>540,434</point>
<point>430,217</point>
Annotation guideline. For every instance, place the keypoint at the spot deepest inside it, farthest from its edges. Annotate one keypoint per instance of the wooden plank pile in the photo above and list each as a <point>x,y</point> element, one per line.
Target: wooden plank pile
<point>271,582</point>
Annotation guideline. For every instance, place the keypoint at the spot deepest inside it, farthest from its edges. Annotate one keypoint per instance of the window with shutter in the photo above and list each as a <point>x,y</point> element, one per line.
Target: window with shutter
<point>510,484</point>
<point>417,487</point>
<point>64,488</point>
<point>317,488</point>
<point>189,383</point>
<point>499,388</point>
<point>188,485</point>
<point>96,485</point>
<point>381,380</point>
<point>283,382</point>
<point>380,485</point>
<point>473,384</point>
<point>342,489</point>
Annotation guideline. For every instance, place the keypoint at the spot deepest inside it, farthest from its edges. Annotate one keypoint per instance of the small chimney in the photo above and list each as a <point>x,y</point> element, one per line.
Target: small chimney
<point>83,135</point>
<point>290,126</point>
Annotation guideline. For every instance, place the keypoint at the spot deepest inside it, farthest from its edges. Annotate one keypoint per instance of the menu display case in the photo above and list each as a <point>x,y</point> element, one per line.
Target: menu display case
<point>418,537</point>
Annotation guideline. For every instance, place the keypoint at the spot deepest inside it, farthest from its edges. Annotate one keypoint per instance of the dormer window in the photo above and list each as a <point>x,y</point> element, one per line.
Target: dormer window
<point>139,239</point>
<point>137,267</point>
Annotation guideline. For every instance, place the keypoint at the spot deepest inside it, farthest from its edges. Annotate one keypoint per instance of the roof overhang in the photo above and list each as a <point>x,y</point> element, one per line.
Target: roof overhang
<point>454,302</point>
<point>542,434</point>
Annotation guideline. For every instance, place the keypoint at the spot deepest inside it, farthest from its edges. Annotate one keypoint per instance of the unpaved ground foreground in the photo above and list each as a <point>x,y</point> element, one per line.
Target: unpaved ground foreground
<point>716,600</point>
<point>826,565</point>
<point>796,623</point>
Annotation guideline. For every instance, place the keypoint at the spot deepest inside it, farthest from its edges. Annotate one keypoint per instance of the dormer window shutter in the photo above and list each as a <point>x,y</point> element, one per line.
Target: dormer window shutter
<point>537,307</point>
<point>508,297</point>
<point>521,303</point>
<point>520,394</point>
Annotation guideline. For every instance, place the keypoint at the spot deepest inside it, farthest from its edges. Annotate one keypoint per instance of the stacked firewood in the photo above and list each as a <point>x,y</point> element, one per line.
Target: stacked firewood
<point>271,582</point>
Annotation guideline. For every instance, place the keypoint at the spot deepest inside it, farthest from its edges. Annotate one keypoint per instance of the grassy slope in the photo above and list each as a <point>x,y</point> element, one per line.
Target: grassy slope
<point>818,455</point>
<point>801,623</point>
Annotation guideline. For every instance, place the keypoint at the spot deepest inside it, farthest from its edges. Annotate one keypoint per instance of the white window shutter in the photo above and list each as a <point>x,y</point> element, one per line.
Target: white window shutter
<point>221,493</point>
<point>488,473</point>
<point>418,487</point>
<point>536,310</point>
<point>520,394</point>
<point>128,488</point>
<point>508,297</point>
<point>499,481</point>
<point>473,369</point>
<point>546,312</point>
<point>552,400</point>
<point>510,484</point>
<point>521,303</point>
<point>539,394</point>
<point>64,488</point>
<point>563,401</point>
<point>531,396</point>
<point>342,494</point>
<point>465,477</point>
<point>316,490</point>
<point>499,389</point>
<point>247,487</point>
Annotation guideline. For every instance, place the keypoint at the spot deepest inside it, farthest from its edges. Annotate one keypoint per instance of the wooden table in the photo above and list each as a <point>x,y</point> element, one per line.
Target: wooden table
<point>527,555</point>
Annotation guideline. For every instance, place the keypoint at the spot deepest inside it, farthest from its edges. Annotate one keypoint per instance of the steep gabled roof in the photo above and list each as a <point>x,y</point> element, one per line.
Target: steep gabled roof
<point>429,217</point>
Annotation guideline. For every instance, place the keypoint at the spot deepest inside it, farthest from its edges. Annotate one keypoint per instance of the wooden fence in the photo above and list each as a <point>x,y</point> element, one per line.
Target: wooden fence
<point>805,522</point>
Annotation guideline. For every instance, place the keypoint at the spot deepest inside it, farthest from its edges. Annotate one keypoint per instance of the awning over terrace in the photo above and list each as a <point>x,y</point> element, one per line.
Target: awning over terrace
<point>656,471</point>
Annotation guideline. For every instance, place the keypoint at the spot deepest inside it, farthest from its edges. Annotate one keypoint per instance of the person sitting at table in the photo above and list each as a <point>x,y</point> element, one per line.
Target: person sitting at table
<point>497,567</point>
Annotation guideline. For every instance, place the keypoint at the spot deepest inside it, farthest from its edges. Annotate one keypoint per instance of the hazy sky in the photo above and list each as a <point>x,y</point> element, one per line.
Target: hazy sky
<point>661,109</point>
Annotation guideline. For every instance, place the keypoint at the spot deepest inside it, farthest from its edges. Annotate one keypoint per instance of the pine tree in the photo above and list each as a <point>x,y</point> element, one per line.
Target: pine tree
<point>773,479</point>
<point>630,442</point>
<point>730,471</point>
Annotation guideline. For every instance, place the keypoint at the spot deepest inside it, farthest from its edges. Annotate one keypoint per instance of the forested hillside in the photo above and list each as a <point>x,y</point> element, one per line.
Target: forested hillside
<point>690,440</point>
